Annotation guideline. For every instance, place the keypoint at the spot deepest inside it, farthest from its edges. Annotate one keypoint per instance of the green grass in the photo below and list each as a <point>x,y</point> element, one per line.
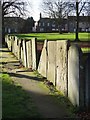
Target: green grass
<point>55,36</point>
<point>16,103</point>
<point>85,50</point>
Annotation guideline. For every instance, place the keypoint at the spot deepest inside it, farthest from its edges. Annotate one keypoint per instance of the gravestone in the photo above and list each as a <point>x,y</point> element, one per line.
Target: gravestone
<point>19,49</point>
<point>73,75</point>
<point>51,70</point>
<point>34,65</point>
<point>29,54</point>
<point>61,66</point>
<point>24,54</point>
<point>42,67</point>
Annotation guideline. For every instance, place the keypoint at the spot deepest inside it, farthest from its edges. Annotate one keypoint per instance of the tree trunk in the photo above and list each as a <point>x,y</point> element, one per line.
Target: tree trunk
<point>3,29</point>
<point>77,22</point>
<point>0,25</point>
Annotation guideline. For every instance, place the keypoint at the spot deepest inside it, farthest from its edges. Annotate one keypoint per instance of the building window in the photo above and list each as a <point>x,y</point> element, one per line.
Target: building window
<point>39,24</point>
<point>53,25</point>
<point>43,24</point>
<point>41,29</point>
<point>5,29</point>
<point>15,30</point>
<point>48,24</point>
<point>9,30</point>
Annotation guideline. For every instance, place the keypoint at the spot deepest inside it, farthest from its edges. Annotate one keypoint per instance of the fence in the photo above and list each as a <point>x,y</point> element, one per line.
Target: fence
<point>60,62</point>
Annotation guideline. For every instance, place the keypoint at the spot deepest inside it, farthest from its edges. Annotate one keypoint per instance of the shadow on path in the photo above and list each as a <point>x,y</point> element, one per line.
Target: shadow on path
<point>23,76</point>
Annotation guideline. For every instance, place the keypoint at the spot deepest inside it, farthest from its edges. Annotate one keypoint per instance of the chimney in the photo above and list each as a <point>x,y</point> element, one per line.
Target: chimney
<point>40,15</point>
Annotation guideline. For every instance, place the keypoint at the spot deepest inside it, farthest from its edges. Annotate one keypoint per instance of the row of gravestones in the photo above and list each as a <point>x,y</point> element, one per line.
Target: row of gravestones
<point>24,50</point>
<point>61,63</point>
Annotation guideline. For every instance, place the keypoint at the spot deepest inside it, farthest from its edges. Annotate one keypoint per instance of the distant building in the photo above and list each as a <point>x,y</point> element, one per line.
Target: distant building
<point>68,25</point>
<point>18,25</point>
<point>50,25</point>
<point>84,23</point>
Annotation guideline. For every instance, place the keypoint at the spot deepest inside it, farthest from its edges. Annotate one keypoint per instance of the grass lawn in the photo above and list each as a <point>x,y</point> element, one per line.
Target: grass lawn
<point>55,36</point>
<point>16,103</point>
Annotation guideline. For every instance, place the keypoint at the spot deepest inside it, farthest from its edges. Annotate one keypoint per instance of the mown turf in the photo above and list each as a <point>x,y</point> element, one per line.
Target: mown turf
<point>55,36</point>
<point>16,103</point>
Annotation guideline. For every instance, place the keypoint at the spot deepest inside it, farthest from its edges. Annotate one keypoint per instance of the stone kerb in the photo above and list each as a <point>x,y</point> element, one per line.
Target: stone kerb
<point>42,67</point>
<point>73,75</point>
<point>61,66</point>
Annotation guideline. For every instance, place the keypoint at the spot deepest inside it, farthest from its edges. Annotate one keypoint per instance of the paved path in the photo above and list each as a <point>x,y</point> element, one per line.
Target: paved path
<point>46,104</point>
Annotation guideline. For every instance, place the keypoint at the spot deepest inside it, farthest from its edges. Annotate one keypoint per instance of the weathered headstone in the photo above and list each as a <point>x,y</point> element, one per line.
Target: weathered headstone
<point>24,53</point>
<point>34,62</point>
<point>19,49</point>
<point>29,54</point>
<point>15,46</point>
<point>42,67</point>
<point>51,70</point>
<point>61,66</point>
<point>73,75</point>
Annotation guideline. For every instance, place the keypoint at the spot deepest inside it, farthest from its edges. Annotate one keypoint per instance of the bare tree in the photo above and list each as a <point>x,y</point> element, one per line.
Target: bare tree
<point>63,8</point>
<point>81,7</point>
<point>13,7</point>
<point>58,9</point>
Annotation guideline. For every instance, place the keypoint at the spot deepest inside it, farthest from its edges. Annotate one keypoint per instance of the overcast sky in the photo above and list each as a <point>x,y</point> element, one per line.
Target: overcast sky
<point>35,9</point>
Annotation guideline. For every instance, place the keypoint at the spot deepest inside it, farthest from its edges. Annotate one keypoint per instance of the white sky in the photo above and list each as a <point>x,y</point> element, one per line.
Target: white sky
<point>36,8</point>
<point>35,12</point>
